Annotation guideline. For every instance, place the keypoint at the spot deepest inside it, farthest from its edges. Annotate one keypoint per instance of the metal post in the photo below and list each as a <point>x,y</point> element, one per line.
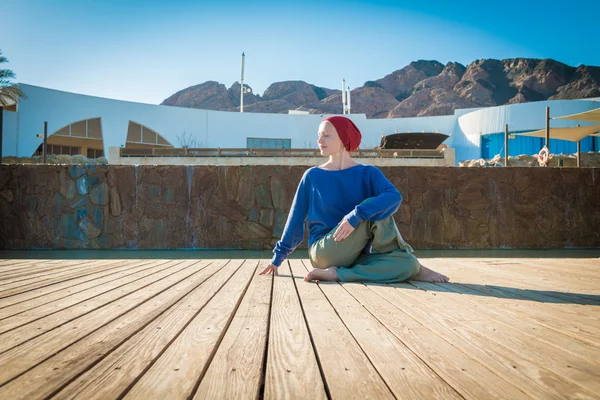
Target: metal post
<point>45,141</point>
<point>506,145</point>
<point>548,128</point>
<point>1,112</point>
<point>242,87</point>
<point>343,96</point>
<point>348,100</point>
<point>578,153</point>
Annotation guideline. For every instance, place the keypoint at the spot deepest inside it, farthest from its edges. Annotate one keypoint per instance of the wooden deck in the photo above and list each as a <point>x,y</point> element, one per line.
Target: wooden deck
<point>510,328</point>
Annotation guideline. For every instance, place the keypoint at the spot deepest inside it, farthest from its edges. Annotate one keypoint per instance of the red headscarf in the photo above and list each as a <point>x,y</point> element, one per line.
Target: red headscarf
<point>347,131</point>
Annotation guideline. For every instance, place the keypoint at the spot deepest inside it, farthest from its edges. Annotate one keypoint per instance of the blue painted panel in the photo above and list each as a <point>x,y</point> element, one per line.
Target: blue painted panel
<point>494,144</point>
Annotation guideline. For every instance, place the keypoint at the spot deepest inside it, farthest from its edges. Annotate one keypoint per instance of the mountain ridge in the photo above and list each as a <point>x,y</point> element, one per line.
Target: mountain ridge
<point>422,88</point>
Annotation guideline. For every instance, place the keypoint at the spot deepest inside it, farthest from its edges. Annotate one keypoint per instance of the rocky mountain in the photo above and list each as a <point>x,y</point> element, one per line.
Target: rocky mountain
<point>421,88</point>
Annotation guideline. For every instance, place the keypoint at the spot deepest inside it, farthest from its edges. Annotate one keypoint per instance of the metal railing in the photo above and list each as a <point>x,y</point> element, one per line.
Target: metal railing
<point>240,152</point>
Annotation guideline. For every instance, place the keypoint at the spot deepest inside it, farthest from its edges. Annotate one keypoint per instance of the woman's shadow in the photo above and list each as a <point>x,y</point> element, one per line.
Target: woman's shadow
<point>504,292</point>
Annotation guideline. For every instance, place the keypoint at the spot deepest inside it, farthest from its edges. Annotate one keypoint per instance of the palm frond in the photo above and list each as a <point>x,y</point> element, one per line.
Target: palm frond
<point>10,94</point>
<point>9,91</point>
<point>6,74</point>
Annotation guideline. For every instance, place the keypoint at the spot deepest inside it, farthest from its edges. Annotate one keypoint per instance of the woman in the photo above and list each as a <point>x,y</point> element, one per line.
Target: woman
<point>349,207</point>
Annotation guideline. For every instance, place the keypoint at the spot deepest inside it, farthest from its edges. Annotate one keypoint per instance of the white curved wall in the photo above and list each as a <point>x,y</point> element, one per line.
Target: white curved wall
<point>519,117</point>
<point>230,129</point>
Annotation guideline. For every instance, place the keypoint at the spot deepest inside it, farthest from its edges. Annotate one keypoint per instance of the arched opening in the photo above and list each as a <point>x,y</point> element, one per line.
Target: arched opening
<point>82,137</point>
<point>141,137</point>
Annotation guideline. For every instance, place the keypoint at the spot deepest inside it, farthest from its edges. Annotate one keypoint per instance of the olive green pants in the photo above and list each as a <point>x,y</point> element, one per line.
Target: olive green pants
<point>391,262</point>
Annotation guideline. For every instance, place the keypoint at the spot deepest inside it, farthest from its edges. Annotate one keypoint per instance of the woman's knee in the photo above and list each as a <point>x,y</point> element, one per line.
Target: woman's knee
<point>319,258</point>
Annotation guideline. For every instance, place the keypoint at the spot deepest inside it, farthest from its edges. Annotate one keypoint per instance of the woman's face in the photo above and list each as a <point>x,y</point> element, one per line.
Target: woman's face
<point>329,142</point>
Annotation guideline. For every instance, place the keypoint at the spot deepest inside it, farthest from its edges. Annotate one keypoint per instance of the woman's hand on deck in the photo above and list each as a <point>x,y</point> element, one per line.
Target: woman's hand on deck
<point>343,231</point>
<point>270,268</point>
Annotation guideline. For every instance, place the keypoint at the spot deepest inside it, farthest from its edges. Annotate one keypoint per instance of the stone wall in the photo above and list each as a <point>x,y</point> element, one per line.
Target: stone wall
<point>159,207</point>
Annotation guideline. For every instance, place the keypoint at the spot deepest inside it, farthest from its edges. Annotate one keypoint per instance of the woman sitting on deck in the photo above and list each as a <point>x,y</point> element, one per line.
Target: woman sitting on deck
<point>349,208</point>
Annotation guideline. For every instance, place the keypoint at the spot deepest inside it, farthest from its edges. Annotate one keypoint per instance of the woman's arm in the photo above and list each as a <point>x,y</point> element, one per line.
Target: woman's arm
<point>293,233</point>
<point>384,203</point>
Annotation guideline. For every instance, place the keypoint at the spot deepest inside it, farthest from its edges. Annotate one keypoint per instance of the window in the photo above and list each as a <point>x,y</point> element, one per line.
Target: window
<point>56,149</point>
<point>87,128</point>
<point>259,143</point>
<point>139,134</point>
<point>94,153</point>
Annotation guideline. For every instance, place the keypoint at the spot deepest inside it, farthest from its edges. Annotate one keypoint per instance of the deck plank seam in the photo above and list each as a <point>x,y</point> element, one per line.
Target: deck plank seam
<point>100,326</point>
<point>143,372</point>
<point>400,340</point>
<point>79,302</point>
<point>49,268</point>
<point>57,270</point>
<point>211,357</point>
<point>45,283</point>
<point>94,309</point>
<point>495,310</point>
<point>263,372</point>
<point>44,294</point>
<point>312,341</point>
<point>530,356</point>
<point>133,333</point>
<point>357,342</point>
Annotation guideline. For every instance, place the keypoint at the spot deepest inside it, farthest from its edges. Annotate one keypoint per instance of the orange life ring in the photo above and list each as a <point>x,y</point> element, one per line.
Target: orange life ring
<point>543,156</point>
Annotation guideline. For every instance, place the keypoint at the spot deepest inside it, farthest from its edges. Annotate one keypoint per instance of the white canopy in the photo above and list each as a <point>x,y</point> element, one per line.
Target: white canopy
<point>573,134</point>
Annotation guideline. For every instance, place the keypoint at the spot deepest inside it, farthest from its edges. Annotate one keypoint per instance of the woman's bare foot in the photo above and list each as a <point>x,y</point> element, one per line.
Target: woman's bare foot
<point>427,275</point>
<point>327,274</point>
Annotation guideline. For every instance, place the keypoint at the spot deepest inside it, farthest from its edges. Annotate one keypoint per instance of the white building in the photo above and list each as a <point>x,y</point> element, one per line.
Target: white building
<point>90,125</point>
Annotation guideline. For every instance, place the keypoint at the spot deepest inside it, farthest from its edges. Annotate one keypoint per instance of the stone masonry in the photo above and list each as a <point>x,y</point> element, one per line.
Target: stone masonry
<point>246,207</point>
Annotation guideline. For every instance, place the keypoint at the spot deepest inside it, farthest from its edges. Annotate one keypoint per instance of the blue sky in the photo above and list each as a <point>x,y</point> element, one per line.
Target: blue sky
<point>147,50</point>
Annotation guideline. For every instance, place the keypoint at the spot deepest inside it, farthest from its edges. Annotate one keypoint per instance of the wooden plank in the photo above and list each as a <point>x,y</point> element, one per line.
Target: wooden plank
<point>475,278</point>
<point>38,327</point>
<point>531,345</point>
<point>20,262</point>
<point>347,370</point>
<point>520,321</point>
<point>467,376</point>
<point>17,265</point>
<point>44,268</point>
<point>72,284</point>
<point>463,273</point>
<point>44,273</point>
<point>61,365</point>
<point>51,307</point>
<point>577,269</point>
<point>292,368</point>
<point>235,370</point>
<point>21,287</point>
<point>579,326</point>
<point>414,379</point>
<point>111,377</point>
<point>542,274</point>
<point>27,355</point>
<point>520,277</point>
<point>175,373</point>
<point>435,311</point>
<point>121,274</point>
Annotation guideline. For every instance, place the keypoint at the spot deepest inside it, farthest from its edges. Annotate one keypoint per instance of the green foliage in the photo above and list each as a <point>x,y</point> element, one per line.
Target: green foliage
<point>9,91</point>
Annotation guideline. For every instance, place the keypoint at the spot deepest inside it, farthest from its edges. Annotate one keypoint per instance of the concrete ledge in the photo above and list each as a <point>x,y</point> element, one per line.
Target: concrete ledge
<point>115,158</point>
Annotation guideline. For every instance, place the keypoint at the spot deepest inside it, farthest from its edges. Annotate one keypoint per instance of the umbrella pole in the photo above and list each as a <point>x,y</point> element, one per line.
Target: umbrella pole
<point>506,145</point>
<point>578,153</point>
<point>548,128</point>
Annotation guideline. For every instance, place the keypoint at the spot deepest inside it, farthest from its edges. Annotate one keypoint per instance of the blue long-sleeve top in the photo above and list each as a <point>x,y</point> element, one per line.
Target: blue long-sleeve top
<point>326,197</point>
